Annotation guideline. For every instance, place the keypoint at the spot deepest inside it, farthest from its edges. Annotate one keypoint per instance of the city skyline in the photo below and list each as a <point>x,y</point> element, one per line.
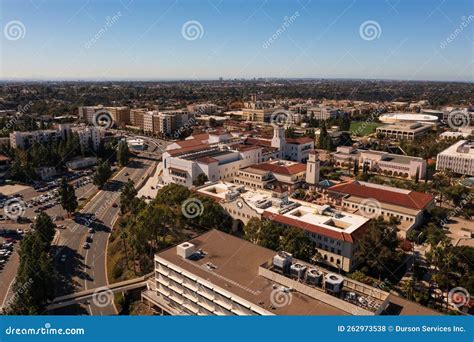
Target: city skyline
<point>181,40</point>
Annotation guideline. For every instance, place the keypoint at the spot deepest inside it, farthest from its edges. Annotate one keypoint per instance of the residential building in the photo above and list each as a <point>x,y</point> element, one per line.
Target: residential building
<point>405,130</point>
<point>458,158</point>
<point>375,200</point>
<point>87,135</point>
<point>120,115</point>
<point>205,276</point>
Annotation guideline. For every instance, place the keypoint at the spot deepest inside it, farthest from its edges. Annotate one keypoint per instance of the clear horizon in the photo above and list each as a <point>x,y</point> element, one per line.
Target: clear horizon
<point>56,40</point>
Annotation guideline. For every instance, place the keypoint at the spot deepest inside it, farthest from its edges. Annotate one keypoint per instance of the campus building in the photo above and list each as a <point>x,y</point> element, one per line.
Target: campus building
<point>405,130</point>
<point>373,200</point>
<point>335,233</point>
<point>458,158</point>
<point>382,162</point>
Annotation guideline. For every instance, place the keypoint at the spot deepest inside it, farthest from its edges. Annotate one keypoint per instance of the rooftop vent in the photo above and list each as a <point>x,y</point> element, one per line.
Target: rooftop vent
<point>185,250</point>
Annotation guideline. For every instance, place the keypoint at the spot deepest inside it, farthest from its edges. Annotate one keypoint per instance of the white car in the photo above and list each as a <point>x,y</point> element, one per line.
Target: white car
<point>20,231</point>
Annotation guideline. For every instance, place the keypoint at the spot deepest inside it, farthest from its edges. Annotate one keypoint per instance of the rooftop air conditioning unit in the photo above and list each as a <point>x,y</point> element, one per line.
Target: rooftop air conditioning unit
<point>314,277</point>
<point>333,282</point>
<point>298,270</point>
<point>185,250</point>
<point>282,262</point>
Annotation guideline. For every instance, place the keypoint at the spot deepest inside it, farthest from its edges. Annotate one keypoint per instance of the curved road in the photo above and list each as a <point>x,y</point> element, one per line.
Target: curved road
<point>86,269</point>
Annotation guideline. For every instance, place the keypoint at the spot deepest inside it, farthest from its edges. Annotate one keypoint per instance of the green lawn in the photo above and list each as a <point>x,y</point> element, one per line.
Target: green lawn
<point>362,128</point>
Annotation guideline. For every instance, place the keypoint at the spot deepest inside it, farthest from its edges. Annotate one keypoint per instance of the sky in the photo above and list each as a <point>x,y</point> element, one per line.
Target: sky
<point>209,39</point>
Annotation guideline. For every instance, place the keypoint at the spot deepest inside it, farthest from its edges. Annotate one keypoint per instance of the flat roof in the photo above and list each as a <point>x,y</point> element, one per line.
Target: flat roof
<point>237,262</point>
<point>314,218</point>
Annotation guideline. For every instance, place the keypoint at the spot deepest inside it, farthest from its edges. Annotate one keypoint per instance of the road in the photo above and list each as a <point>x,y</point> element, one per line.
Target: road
<point>86,269</point>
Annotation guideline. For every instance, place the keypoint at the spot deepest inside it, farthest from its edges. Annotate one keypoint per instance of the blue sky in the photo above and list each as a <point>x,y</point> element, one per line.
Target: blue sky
<point>60,39</point>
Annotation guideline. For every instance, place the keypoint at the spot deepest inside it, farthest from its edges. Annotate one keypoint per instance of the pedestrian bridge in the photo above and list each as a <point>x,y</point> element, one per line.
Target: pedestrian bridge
<point>87,295</point>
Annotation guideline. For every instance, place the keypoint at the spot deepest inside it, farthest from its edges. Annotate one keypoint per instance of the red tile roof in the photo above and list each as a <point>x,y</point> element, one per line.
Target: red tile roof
<point>184,150</point>
<point>299,141</point>
<point>413,199</point>
<point>188,143</point>
<point>312,228</point>
<point>207,160</point>
<point>281,169</point>
<point>260,142</point>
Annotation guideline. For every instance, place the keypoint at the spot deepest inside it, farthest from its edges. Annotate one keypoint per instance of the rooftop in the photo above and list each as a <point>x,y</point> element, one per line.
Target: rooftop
<point>462,148</point>
<point>385,194</point>
<point>278,166</point>
<point>240,268</point>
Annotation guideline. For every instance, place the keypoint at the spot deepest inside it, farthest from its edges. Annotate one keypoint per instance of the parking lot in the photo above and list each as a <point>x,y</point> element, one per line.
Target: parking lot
<point>31,201</point>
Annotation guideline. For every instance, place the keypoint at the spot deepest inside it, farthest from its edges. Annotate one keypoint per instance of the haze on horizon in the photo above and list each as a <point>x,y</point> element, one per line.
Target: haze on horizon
<point>186,40</point>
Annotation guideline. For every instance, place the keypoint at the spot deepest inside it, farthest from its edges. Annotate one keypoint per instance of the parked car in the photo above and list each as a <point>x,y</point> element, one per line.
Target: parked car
<point>85,245</point>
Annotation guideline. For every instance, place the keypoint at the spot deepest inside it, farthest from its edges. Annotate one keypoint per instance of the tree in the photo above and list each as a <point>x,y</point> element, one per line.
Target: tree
<point>128,197</point>
<point>213,216</point>
<point>201,180</point>
<point>378,247</point>
<point>252,230</point>
<point>172,194</point>
<point>34,282</point>
<point>123,153</point>
<point>102,174</point>
<point>68,196</point>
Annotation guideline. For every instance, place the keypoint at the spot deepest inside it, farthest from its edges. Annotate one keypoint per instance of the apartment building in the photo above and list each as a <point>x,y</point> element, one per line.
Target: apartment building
<point>375,200</point>
<point>336,233</point>
<point>382,162</point>
<point>458,158</point>
<point>86,135</point>
<point>204,276</point>
<point>120,115</point>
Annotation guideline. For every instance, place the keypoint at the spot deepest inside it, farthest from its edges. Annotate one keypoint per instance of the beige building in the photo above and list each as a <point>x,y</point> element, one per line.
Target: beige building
<point>405,130</point>
<point>373,200</point>
<point>335,233</point>
<point>458,158</point>
<point>205,276</point>
<point>283,174</point>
